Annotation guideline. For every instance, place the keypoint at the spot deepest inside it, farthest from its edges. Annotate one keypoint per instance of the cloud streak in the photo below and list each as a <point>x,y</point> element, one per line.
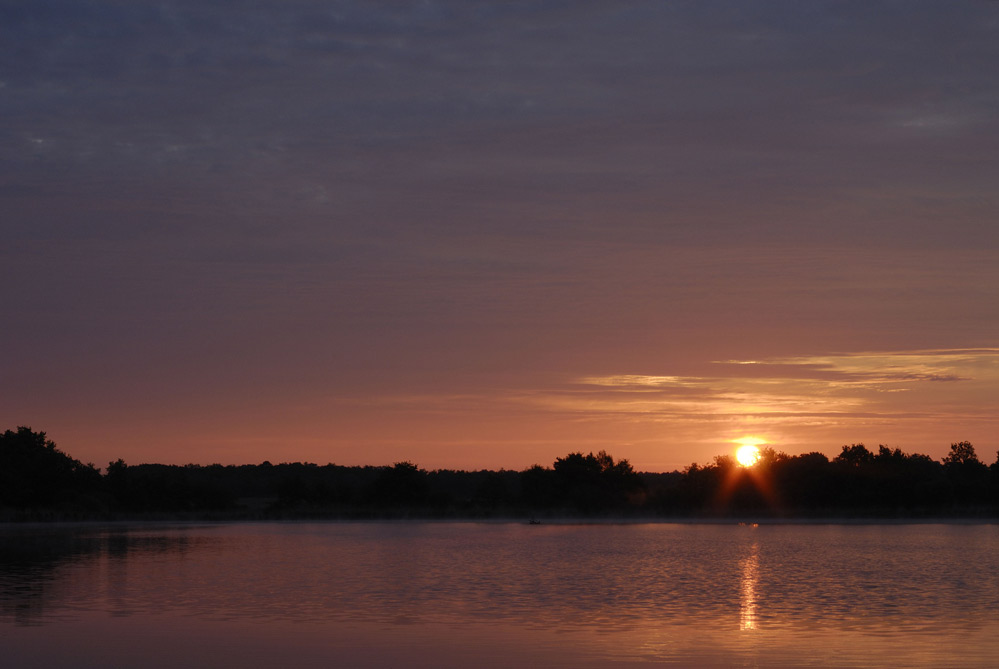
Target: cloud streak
<point>794,399</point>
<point>797,385</point>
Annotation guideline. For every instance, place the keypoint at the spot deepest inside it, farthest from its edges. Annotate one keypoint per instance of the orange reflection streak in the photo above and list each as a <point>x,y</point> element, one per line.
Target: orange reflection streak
<point>747,600</point>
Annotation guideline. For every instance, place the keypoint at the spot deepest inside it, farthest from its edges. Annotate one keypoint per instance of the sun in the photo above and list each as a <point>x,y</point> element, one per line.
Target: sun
<point>748,452</point>
<point>748,455</point>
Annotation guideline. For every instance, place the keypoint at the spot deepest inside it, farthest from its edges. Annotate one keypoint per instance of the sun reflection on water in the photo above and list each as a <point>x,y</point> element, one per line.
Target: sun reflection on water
<point>748,584</point>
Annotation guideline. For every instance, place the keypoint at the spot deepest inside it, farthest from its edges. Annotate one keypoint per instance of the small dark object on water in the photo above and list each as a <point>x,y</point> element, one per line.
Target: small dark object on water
<point>534,521</point>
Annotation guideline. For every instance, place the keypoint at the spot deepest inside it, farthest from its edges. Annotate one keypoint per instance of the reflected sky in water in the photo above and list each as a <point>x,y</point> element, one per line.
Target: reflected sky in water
<point>439,594</point>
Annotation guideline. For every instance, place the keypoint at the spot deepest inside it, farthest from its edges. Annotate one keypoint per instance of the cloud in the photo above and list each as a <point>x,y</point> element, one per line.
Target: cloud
<point>845,388</point>
<point>639,381</point>
<point>841,389</point>
<point>889,367</point>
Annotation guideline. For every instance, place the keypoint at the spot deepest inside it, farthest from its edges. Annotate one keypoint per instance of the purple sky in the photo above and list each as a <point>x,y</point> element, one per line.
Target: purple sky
<point>485,234</point>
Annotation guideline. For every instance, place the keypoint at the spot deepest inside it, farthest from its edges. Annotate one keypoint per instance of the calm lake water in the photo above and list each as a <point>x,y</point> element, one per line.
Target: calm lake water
<point>470,595</point>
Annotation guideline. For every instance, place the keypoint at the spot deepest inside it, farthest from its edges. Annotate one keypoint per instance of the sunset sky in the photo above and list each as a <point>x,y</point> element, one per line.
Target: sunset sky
<point>486,234</point>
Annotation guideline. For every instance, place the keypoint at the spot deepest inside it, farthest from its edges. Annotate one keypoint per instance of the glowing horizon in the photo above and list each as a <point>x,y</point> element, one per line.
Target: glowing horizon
<point>845,399</point>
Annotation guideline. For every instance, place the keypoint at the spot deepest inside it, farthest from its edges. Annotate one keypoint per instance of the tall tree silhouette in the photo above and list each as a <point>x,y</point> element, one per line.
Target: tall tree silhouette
<point>969,475</point>
<point>594,482</point>
<point>36,474</point>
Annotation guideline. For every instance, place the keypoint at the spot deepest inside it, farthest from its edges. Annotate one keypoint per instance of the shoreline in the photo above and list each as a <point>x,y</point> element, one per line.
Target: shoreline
<point>559,521</point>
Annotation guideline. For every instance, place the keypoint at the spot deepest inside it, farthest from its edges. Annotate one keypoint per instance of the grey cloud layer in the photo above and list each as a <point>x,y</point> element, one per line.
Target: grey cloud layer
<point>787,98</point>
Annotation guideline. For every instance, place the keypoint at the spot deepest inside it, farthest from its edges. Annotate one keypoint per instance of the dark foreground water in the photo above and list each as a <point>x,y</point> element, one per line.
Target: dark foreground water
<point>471,595</point>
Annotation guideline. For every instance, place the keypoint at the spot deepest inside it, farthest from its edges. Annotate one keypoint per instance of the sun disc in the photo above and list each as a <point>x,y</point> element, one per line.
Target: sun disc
<point>747,455</point>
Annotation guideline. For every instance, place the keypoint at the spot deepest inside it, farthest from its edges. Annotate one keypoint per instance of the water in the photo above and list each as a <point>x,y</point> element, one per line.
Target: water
<point>466,594</point>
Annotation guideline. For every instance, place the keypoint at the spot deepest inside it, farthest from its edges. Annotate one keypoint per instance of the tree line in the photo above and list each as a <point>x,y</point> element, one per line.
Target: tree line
<point>38,481</point>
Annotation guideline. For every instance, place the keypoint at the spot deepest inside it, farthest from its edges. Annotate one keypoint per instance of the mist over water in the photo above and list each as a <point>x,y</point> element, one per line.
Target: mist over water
<point>454,594</point>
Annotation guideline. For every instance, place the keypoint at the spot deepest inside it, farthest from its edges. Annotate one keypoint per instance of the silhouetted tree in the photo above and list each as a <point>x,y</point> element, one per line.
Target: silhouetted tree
<point>403,484</point>
<point>590,483</point>
<point>492,489</point>
<point>36,474</point>
<point>117,484</point>
<point>805,482</point>
<point>969,475</point>
<point>855,455</point>
<point>537,485</point>
<point>698,488</point>
<point>962,453</point>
